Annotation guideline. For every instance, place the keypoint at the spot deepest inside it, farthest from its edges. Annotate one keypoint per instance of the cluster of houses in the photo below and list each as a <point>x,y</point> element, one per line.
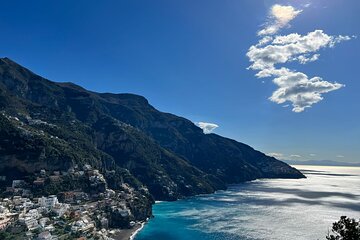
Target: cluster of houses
<point>30,215</point>
<point>76,214</point>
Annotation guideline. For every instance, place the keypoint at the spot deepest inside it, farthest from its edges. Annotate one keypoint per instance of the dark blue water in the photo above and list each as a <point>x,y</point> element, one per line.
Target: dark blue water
<point>279,209</point>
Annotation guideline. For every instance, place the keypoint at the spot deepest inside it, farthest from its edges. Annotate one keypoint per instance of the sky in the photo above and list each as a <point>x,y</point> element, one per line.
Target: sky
<point>281,76</point>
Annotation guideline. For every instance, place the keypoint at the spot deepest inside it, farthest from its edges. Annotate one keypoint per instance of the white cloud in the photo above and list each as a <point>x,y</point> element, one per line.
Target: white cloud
<point>287,48</point>
<point>293,86</point>
<point>340,156</point>
<point>301,91</point>
<point>341,38</point>
<point>264,40</point>
<point>279,17</point>
<point>303,59</point>
<point>276,155</point>
<point>282,156</point>
<point>207,127</point>
<point>312,154</point>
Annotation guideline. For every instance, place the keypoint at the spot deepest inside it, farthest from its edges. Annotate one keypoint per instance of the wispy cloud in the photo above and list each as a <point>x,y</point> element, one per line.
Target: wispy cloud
<point>340,156</point>
<point>276,155</point>
<point>295,156</point>
<point>295,87</point>
<point>207,127</point>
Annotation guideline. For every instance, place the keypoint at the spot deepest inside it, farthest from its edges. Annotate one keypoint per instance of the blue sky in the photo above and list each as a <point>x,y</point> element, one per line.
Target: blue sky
<point>190,58</point>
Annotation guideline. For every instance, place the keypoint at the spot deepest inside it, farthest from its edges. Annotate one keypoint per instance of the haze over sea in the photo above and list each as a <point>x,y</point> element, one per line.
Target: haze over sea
<point>276,209</point>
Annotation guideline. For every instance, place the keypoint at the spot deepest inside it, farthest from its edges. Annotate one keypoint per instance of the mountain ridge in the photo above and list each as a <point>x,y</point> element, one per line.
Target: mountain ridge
<point>168,154</point>
<point>322,163</point>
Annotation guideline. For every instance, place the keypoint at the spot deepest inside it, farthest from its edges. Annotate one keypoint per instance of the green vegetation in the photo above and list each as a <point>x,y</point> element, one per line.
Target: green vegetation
<point>53,126</point>
<point>345,229</point>
<point>9,236</point>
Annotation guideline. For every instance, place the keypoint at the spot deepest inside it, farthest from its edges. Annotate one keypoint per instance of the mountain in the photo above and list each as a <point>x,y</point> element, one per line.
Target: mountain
<point>49,125</point>
<point>322,163</point>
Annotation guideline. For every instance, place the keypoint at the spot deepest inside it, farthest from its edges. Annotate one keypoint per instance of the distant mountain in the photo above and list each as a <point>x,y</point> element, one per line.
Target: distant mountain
<point>322,163</point>
<point>49,125</point>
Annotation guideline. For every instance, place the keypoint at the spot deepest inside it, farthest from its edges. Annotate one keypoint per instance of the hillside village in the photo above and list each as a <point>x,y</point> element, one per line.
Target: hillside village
<point>78,164</point>
<point>96,212</point>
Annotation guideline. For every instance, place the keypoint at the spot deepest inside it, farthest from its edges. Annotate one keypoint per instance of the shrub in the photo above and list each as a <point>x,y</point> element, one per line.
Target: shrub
<point>345,229</point>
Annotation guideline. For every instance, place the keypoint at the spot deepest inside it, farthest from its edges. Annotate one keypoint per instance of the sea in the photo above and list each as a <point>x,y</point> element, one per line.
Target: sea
<point>265,209</point>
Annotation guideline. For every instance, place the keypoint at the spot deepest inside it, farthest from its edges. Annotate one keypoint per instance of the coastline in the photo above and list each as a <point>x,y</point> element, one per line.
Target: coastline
<point>133,235</point>
<point>205,212</point>
<point>128,234</point>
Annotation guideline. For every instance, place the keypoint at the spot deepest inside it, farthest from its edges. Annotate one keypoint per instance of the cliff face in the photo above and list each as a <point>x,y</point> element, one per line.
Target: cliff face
<point>51,125</point>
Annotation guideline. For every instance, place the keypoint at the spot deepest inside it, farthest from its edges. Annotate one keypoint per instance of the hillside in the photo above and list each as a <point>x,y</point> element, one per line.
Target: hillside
<point>49,125</point>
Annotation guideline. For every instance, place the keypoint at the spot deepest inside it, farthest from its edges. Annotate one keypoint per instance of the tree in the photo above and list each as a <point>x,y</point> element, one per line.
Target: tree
<point>345,229</point>
<point>4,236</point>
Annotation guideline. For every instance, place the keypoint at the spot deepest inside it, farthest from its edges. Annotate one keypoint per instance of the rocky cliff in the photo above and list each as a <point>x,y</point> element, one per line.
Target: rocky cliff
<point>44,124</point>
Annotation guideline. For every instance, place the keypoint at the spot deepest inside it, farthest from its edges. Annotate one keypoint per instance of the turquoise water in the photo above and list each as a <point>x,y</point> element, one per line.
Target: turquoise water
<point>278,209</point>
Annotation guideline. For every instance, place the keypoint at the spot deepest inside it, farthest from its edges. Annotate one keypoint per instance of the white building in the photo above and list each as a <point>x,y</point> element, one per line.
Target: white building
<point>17,183</point>
<point>28,204</point>
<point>30,223</point>
<point>84,225</point>
<point>87,167</point>
<point>45,236</point>
<point>4,221</point>
<point>48,202</point>
<point>61,208</point>
<point>43,221</point>
<point>4,210</point>
<point>33,213</point>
